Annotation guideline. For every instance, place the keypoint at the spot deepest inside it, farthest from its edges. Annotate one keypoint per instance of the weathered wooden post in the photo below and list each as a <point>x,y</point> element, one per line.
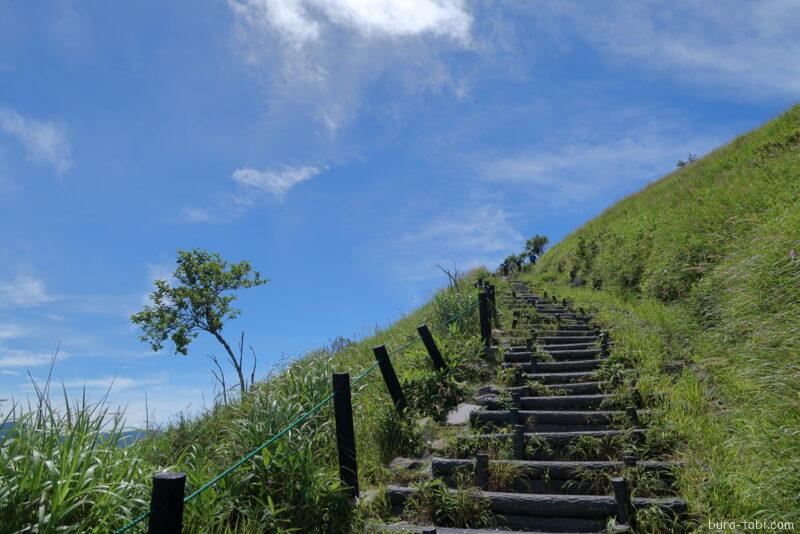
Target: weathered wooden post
<point>638,400</point>
<point>519,442</point>
<point>629,460</point>
<point>564,303</point>
<point>513,415</point>
<point>626,514</point>
<point>633,416</point>
<point>604,343</point>
<point>389,377</point>
<point>485,319</point>
<point>430,346</point>
<point>482,471</point>
<point>492,302</point>
<point>166,503</point>
<point>345,434</point>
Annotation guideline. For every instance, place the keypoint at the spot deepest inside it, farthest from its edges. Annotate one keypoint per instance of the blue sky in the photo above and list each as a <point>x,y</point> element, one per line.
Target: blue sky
<point>345,147</point>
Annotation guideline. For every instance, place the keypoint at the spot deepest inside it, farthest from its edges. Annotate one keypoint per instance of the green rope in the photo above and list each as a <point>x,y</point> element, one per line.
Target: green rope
<point>292,425</point>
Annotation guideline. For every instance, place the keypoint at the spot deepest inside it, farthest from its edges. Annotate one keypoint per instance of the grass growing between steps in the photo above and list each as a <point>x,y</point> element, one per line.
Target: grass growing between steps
<point>739,461</point>
<point>85,483</point>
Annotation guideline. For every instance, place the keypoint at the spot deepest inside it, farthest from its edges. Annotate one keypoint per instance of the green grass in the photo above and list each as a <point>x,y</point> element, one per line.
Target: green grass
<point>62,472</point>
<point>696,276</point>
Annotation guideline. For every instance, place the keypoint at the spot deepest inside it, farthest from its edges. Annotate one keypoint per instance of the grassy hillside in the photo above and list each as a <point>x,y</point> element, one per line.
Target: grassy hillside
<point>698,275</point>
<point>62,471</point>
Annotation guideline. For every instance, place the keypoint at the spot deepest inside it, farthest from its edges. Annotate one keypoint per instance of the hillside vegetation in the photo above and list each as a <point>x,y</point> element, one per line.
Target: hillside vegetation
<point>62,471</point>
<point>698,277</point>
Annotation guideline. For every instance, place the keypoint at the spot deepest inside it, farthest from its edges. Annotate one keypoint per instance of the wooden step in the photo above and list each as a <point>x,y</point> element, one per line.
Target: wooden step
<point>561,378</point>
<point>562,340</point>
<point>554,513</point>
<point>547,420</point>
<point>560,355</point>
<point>563,402</point>
<point>408,528</point>
<point>562,439</point>
<point>559,367</point>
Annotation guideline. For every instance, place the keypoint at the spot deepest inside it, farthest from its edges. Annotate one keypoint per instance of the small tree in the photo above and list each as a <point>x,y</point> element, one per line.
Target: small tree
<point>536,244</point>
<point>199,302</point>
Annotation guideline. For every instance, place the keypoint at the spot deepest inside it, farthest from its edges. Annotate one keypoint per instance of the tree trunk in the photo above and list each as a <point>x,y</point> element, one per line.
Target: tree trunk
<point>236,364</point>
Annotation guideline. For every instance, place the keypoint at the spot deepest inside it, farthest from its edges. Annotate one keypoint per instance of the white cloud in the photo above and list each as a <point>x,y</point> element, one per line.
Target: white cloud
<point>44,141</point>
<point>475,234</point>
<point>272,183</point>
<point>193,214</point>
<point>752,48</point>
<point>115,383</point>
<point>319,58</point>
<point>24,291</point>
<point>593,170</point>
<point>25,358</point>
<point>300,22</point>
<point>9,331</point>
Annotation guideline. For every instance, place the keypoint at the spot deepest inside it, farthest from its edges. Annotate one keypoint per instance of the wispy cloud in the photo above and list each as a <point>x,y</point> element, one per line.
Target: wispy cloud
<point>751,49</point>
<point>25,358</point>
<point>115,383</point>
<point>475,234</point>
<point>274,184</point>
<point>44,141</point>
<point>194,214</point>
<point>300,22</point>
<point>10,331</point>
<point>595,170</point>
<point>24,291</point>
<point>319,57</point>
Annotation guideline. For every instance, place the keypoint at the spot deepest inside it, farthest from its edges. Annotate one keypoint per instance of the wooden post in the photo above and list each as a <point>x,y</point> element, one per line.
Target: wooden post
<point>431,530</point>
<point>516,398</point>
<point>625,511</point>
<point>166,503</point>
<point>485,319</point>
<point>629,460</point>
<point>604,343</point>
<point>482,471</point>
<point>514,416</point>
<point>492,302</point>
<point>638,400</point>
<point>345,434</point>
<point>545,296</point>
<point>633,416</point>
<point>564,303</point>
<point>389,377</point>
<point>519,442</point>
<point>430,346</point>
<point>534,363</point>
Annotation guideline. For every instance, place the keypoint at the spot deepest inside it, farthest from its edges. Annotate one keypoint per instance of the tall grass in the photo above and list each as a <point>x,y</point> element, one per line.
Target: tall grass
<point>62,470</point>
<point>706,261</point>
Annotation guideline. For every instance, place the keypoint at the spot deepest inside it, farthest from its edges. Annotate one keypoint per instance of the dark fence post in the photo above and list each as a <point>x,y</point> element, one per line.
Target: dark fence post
<point>485,320</point>
<point>430,346</point>
<point>519,442</point>
<point>633,415</point>
<point>345,434</point>
<point>166,503</point>
<point>493,302</point>
<point>389,376</point>
<point>625,511</point>
<point>482,471</point>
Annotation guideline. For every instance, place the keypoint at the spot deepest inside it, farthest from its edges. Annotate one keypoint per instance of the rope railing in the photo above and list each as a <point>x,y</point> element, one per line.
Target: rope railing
<point>300,419</point>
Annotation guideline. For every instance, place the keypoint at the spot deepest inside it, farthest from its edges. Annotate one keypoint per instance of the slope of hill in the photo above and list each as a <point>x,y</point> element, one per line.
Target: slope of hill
<point>698,276</point>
